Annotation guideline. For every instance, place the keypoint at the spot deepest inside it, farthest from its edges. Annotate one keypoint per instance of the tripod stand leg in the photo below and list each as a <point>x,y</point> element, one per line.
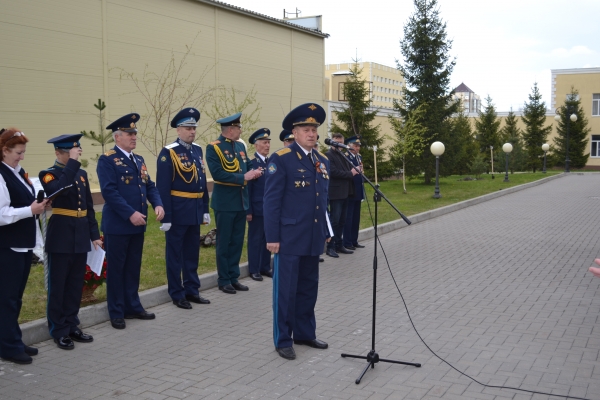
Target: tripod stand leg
<point>400,362</point>
<point>370,364</point>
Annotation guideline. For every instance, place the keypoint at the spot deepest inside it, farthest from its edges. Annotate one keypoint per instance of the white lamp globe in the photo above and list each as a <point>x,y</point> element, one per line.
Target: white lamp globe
<point>545,147</point>
<point>437,148</point>
<point>507,147</point>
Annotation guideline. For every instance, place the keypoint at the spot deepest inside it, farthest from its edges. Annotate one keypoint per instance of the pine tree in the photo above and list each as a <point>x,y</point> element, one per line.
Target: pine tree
<point>536,134</point>
<point>426,69</point>
<point>512,134</point>
<point>488,127</point>
<point>356,119</point>
<point>577,132</point>
<point>461,150</point>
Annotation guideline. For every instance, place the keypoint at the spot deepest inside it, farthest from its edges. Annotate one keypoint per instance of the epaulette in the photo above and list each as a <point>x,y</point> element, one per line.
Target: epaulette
<point>283,151</point>
<point>196,144</point>
<point>110,153</point>
<point>215,142</point>
<point>170,146</point>
<point>324,156</point>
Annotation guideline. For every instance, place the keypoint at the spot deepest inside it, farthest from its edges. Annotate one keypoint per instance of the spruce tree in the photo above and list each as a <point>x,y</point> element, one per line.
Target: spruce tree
<point>488,127</point>
<point>577,131</point>
<point>536,134</point>
<point>461,150</point>
<point>426,69</point>
<point>356,117</point>
<point>512,134</point>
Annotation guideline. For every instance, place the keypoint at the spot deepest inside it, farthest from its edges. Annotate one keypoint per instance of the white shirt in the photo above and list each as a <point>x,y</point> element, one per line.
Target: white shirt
<point>10,215</point>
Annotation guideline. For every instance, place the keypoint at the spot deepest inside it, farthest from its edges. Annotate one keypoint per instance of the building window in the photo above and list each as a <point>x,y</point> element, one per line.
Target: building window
<point>596,104</point>
<point>595,146</point>
<point>341,96</point>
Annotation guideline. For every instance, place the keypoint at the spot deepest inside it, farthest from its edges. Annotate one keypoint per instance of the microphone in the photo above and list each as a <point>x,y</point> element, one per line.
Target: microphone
<point>40,196</point>
<point>335,144</point>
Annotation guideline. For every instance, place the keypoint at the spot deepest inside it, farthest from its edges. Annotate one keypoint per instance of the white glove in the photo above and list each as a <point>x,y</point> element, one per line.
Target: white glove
<point>165,227</point>
<point>207,218</point>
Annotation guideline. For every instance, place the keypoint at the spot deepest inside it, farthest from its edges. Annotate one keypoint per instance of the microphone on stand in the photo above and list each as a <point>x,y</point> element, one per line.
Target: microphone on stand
<point>335,144</point>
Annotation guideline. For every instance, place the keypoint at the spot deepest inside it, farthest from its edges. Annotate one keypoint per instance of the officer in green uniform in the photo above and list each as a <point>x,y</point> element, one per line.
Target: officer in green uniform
<point>231,169</point>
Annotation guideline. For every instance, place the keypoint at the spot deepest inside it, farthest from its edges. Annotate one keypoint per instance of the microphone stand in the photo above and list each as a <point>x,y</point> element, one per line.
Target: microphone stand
<point>373,357</point>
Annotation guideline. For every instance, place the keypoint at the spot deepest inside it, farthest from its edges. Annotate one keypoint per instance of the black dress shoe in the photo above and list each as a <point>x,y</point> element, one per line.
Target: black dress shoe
<point>79,336</point>
<point>256,277</point>
<point>268,274</point>
<point>343,250</point>
<point>196,299</point>
<point>358,246</point>
<point>118,323</point>
<point>143,315</point>
<point>65,343</point>
<point>316,343</point>
<point>332,253</point>
<point>227,289</point>
<point>22,358</point>
<point>183,303</point>
<point>240,287</point>
<point>321,259</point>
<point>350,247</point>
<point>31,351</point>
<point>286,352</point>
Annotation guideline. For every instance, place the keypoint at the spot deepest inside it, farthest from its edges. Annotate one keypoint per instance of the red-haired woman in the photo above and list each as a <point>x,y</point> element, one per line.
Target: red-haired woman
<point>18,236</point>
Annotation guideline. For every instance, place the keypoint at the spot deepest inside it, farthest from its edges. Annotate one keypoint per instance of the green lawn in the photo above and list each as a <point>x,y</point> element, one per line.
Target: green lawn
<point>418,199</point>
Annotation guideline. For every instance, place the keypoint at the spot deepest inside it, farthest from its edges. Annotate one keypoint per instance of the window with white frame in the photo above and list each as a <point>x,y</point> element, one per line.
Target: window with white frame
<point>596,104</point>
<point>595,142</point>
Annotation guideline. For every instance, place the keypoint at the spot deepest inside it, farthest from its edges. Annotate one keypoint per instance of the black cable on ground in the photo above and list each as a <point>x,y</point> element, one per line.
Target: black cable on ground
<point>433,352</point>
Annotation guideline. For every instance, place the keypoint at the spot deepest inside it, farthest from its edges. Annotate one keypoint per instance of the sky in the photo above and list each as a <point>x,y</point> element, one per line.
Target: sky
<point>501,47</point>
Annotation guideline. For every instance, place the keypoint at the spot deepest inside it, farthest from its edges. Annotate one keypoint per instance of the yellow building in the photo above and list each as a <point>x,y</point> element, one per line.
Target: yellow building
<point>385,83</point>
<point>59,57</point>
<point>470,101</point>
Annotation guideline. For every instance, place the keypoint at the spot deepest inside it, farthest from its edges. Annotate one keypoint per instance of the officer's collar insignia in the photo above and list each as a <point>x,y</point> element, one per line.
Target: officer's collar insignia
<point>301,170</point>
<point>299,156</point>
<point>272,168</point>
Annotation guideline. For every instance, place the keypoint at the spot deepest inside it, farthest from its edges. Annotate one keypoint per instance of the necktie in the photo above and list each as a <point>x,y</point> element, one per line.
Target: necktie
<point>266,160</point>
<point>132,160</point>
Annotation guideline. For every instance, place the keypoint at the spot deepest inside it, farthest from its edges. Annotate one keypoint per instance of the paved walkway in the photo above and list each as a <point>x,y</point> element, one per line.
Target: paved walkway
<point>500,290</point>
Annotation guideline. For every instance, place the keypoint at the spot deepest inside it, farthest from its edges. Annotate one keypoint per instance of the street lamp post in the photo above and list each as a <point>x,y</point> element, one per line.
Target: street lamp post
<point>437,149</point>
<point>492,159</point>
<point>507,148</point>
<point>572,118</point>
<point>545,147</point>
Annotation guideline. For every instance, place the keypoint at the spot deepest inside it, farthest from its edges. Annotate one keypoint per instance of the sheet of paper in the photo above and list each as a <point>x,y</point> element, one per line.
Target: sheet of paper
<point>95,259</point>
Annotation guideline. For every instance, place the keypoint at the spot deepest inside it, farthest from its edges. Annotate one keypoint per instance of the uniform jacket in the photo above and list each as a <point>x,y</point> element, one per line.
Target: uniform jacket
<point>341,185</point>
<point>125,190</point>
<point>230,192</point>
<point>256,188</point>
<point>296,202</point>
<point>67,234</point>
<point>359,190</point>
<point>182,210</point>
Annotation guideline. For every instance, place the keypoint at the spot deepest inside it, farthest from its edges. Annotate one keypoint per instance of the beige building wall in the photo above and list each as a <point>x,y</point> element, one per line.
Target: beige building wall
<point>385,82</point>
<point>59,57</point>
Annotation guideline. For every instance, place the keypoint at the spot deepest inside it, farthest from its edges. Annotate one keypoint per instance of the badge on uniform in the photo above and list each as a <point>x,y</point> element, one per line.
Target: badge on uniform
<point>163,159</point>
<point>118,161</point>
<point>144,172</point>
<point>272,168</point>
<point>47,178</point>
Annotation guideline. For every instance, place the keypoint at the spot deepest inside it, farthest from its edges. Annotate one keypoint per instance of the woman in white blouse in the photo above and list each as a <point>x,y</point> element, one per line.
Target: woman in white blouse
<point>18,236</point>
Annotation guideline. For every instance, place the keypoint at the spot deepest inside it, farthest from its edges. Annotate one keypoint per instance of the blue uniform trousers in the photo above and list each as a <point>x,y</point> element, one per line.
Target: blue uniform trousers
<point>14,270</point>
<point>183,253</point>
<point>352,223</point>
<point>259,258</point>
<point>231,228</point>
<point>295,287</point>
<point>65,285</point>
<point>123,265</point>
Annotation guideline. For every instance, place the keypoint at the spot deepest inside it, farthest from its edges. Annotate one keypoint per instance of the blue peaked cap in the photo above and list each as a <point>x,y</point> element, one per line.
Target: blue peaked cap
<point>261,134</point>
<point>126,123</point>
<point>66,141</point>
<point>231,120</point>
<point>187,117</point>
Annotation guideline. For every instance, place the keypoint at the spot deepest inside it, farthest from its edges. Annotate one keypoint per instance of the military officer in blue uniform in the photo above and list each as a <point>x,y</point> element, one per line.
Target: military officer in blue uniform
<point>71,230</point>
<point>181,182</point>
<point>287,137</point>
<point>352,224</point>
<point>231,170</point>
<point>296,228</point>
<point>126,188</point>
<point>259,258</point>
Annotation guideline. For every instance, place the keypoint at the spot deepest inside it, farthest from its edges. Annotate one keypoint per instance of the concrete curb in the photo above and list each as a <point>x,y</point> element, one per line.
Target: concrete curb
<point>37,331</point>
